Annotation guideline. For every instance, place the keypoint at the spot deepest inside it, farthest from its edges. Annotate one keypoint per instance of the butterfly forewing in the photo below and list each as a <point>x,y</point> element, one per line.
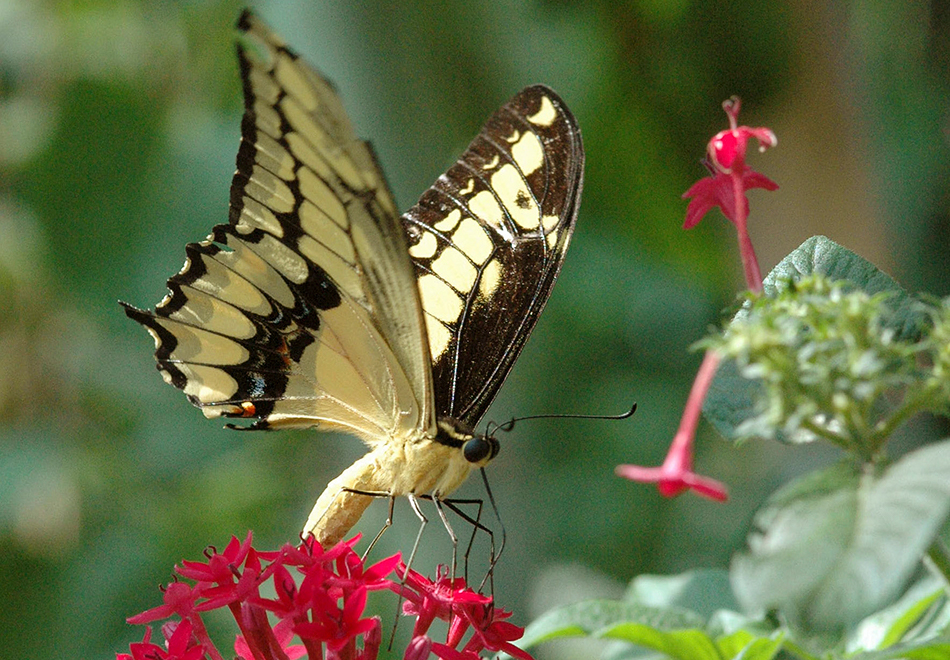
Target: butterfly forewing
<point>303,310</point>
<point>488,239</point>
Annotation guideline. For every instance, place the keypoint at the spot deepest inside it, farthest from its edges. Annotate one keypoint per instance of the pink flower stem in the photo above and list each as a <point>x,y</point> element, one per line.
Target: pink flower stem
<point>314,649</point>
<point>750,263</point>
<point>694,403</point>
<point>201,634</point>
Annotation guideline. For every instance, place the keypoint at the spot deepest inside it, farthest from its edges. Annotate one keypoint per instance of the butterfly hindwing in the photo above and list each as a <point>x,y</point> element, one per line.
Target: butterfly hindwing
<point>488,239</point>
<point>303,310</point>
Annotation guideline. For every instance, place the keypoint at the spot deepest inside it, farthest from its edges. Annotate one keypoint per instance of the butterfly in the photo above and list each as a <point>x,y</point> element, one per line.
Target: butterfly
<point>318,305</point>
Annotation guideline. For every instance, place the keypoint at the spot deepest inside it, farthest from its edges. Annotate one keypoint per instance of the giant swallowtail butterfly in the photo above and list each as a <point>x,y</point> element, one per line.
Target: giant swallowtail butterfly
<point>317,305</point>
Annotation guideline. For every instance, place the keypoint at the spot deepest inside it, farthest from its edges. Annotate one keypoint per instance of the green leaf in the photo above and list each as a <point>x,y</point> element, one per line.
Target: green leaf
<point>702,591</point>
<point>747,646</point>
<point>680,644</point>
<point>837,545</point>
<point>731,399</point>
<point>934,649</point>
<point>913,611</point>
<point>594,616</point>
<point>672,631</point>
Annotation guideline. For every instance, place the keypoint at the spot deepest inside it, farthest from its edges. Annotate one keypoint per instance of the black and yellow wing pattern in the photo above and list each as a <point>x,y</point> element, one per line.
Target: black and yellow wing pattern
<point>317,305</point>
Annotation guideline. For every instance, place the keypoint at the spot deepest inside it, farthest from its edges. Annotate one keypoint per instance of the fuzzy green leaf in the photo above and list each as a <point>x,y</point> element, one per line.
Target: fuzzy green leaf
<point>837,545</point>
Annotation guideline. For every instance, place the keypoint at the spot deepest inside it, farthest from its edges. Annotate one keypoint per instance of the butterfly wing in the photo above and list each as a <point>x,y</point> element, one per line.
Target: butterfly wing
<point>487,241</point>
<point>303,310</point>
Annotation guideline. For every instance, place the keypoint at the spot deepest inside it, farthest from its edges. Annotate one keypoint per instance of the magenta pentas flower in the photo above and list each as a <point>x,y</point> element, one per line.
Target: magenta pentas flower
<point>490,632</point>
<point>180,644</point>
<point>450,599</point>
<point>317,607</point>
<point>428,600</point>
<point>324,613</point>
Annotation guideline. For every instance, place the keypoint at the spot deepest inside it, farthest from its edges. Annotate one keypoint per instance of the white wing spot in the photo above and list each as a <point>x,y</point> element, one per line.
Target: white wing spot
<point>546,115</point>
<point>485,206</point>
<point>425,248</point>
<point>449,222</point>
<point>491,278</point>
<point>528,153</point>
<point>472,239</point>
<point>439,337</point>
<point>520,205</point>
<point>454,268</point>
<point>438,299</point>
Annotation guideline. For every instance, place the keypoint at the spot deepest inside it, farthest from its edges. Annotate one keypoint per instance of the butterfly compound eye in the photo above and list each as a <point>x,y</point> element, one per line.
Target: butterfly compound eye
<point>480,449</point>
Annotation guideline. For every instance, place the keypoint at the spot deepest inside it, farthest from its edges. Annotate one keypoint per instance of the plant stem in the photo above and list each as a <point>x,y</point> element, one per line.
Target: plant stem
<point>835,438</point>
<point>938,559</point>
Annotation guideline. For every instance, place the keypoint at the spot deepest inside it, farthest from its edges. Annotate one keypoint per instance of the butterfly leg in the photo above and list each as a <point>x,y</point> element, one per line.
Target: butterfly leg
<point>448,528</point>
<point>477,525</point>
<point>453,505</point>
<point>387,525</point>
<point>414,503</point>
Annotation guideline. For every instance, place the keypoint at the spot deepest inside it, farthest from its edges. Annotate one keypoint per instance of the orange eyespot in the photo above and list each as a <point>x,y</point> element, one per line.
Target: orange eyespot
<point>248,408</point>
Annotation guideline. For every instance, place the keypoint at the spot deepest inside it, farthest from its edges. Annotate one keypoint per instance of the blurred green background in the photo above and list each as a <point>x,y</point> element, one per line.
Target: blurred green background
<point>119,124</point>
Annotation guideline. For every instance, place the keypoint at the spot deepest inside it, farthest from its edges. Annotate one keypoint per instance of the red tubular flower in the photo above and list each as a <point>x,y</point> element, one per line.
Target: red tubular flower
<point>260,640</point>
<point>731,179</point>
<point>179,598</point>
<point>338,627</point>
<point>726,188</point>
<point>219,569</point>
<point>492,632</point>
<point>179,645</point>
<point>419,648</point>
<point>676,474</point>
<point>283,634</point>
<point>448,653</point>
<point>451,600</point>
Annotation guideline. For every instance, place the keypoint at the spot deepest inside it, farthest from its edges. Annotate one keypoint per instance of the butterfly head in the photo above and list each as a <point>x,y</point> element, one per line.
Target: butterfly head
<point>478,449</point>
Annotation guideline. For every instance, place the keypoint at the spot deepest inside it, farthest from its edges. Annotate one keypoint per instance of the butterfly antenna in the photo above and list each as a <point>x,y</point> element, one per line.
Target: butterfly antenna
<point>510,424</point>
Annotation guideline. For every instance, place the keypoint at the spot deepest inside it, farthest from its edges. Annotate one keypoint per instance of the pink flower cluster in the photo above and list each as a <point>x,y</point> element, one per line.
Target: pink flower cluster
<point>319,600</point>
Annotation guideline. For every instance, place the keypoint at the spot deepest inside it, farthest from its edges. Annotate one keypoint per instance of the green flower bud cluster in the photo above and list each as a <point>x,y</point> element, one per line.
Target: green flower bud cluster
<point>834,363</point>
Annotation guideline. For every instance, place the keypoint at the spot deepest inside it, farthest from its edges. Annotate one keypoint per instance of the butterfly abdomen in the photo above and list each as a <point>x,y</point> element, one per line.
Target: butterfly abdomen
<point>397,467</point>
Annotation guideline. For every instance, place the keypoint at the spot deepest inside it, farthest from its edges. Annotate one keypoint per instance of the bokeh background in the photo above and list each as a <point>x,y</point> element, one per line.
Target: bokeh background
<point>119,124</point>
